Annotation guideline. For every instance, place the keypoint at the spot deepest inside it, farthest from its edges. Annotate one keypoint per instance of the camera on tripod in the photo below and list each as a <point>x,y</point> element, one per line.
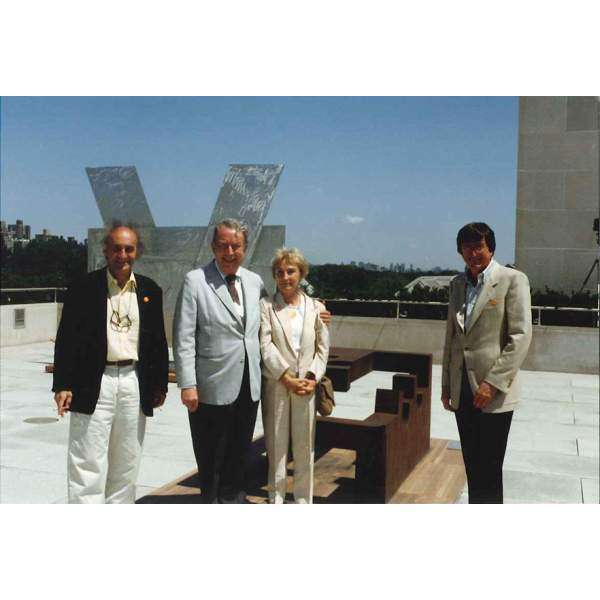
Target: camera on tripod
<point>595,267</point>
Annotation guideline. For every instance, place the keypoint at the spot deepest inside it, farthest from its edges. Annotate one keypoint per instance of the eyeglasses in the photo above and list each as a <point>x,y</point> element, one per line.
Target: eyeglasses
<point>119,323</point>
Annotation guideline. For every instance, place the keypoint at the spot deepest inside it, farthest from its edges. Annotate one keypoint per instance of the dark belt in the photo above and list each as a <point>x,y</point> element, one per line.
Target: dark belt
<point>119,363</point>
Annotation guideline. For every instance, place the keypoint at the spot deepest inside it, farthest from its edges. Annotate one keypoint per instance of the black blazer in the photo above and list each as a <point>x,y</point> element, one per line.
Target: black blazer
<point>81,343</point>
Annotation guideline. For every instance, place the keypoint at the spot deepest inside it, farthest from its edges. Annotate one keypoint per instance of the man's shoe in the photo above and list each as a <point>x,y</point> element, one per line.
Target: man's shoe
<point>208,499</point>
<point>239,498</point>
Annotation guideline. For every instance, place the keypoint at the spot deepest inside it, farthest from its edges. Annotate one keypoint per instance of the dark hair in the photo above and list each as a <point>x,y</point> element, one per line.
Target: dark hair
<point>475,232</point>
<point>116,224</point>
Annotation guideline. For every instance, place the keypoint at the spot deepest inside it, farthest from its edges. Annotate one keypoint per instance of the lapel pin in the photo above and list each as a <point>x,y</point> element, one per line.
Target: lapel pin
<point>146,299</point>
<point>493,302</point>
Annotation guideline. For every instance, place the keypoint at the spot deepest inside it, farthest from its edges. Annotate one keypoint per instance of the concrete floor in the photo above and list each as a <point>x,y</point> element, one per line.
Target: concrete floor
<point>552,456</point>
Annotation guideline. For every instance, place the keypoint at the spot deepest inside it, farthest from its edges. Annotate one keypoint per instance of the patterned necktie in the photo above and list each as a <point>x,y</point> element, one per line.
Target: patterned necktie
<point>230,279</point>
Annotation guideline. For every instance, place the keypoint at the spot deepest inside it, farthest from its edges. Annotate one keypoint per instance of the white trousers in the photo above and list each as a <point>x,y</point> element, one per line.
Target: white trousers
<point>105,447</point>
<point>283,412</point>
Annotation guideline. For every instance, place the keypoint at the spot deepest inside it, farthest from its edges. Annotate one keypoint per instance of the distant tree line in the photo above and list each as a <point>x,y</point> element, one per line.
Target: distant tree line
<point>50,263</point>
<point>353,282</point>
<point>356,283</point>
<point>58,262</point>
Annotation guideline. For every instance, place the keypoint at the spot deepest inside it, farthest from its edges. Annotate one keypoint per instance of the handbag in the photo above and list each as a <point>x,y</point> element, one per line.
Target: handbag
<point>324,398</point>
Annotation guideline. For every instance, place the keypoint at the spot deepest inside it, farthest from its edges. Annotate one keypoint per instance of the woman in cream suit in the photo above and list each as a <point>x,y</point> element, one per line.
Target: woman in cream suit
<point>294,345</point>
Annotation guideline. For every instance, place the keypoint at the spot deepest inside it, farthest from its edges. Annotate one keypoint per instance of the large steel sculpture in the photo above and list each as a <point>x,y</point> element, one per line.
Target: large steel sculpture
<point>246,195</point>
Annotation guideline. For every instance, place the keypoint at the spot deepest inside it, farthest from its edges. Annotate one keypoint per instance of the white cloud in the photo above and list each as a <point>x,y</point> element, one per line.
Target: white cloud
<point>354,220</point>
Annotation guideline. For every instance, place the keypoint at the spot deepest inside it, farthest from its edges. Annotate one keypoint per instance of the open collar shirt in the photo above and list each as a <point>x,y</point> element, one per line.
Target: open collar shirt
<point>472,291</point>
<point>122,341</point>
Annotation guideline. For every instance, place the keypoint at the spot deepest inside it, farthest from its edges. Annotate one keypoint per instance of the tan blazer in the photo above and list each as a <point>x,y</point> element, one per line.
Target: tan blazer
<point>496,342</point>
<point>276,342</point>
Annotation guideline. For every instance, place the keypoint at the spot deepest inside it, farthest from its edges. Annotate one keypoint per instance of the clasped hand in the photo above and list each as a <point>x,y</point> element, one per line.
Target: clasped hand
<point>298,386</point>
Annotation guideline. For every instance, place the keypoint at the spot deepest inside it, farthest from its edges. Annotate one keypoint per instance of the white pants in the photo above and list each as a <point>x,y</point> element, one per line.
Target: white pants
<point>105,447</point>
<point>282,411</point>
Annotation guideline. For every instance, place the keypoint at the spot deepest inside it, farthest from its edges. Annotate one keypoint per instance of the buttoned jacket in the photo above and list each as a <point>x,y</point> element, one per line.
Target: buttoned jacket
<point>495,344</point>
<point>210,339</point>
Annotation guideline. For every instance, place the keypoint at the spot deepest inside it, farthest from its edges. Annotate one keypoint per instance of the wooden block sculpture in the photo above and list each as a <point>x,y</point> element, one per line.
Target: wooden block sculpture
<point>390,442</point>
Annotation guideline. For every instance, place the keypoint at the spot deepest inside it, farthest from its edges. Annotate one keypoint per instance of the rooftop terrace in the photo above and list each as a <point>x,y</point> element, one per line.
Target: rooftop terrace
<point>552,456</point>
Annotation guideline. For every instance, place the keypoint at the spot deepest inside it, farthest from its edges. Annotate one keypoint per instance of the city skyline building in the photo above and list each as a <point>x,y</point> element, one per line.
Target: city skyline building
<point>15,234</point>
<point>18,234</point>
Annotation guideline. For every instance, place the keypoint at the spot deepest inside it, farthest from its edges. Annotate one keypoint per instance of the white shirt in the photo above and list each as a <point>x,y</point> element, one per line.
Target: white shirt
<point>472,292</point>
<point>122,341</point>
<point>296,314</point>
<point>238,286</point>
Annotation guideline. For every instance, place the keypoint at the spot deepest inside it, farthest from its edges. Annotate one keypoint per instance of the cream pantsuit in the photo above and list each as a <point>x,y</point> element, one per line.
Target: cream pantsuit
<point>284,412</point>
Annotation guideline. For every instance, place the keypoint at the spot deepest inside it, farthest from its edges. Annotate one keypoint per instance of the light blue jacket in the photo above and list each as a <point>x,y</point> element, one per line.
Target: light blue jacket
<point>210,340</point>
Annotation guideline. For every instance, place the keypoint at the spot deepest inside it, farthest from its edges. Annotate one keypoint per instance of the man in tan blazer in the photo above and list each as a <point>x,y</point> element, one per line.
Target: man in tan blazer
<point>488,333</point>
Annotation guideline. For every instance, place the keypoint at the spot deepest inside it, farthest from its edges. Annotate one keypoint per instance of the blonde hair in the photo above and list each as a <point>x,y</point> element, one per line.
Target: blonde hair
<point>292,256</point>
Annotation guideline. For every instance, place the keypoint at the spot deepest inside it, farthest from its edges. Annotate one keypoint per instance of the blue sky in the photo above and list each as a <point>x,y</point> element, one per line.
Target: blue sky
<point>379,179</point>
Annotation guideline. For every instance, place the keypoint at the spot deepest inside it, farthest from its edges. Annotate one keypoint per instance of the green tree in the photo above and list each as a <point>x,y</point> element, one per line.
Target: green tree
<point>51,263</point>
<point>352,282</point>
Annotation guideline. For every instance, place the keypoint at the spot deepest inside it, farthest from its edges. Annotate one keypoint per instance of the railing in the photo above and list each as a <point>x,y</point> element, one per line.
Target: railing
<point>404,309</point>
<point>31,295</point>
<point>399,309</point>
<point>592,313</point>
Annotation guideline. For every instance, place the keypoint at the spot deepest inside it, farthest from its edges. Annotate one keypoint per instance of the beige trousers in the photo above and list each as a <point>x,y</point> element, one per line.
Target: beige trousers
<point>285,413</point>
<point>105,447</point>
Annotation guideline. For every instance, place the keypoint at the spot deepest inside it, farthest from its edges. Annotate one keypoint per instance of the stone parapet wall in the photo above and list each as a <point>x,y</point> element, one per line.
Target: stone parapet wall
<point>559,349</point>
<point>41,323</point>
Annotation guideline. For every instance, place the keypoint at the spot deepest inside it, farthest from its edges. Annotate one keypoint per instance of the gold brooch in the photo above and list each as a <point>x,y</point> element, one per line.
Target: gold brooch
<point>493,302</point>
